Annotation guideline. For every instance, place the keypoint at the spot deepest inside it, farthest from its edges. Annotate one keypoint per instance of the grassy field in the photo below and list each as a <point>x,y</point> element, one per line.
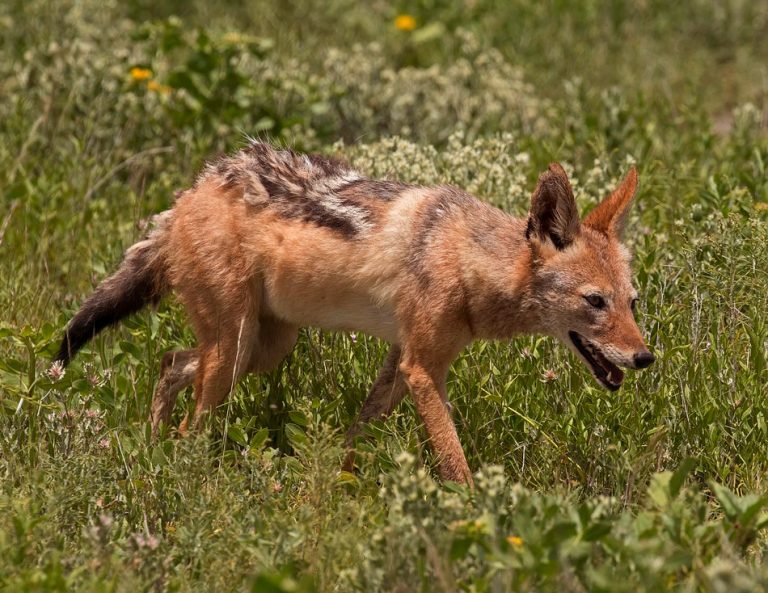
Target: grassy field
<point>108,107</point>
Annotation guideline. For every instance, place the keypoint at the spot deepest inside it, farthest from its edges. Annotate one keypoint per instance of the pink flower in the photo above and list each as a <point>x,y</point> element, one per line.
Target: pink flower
<point>56,371</point>
<point>549,375</point>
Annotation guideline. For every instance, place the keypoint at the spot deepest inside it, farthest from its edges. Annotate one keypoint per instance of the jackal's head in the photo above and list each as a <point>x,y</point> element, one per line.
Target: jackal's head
<point>581,281</point>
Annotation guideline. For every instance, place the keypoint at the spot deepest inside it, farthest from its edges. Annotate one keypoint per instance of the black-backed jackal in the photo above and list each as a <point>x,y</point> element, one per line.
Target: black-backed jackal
<point>268,240</point>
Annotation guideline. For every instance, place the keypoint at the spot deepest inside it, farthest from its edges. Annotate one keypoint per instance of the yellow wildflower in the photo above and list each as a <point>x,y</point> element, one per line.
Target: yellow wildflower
<point>761,206</point>
<point>515,541</point>
<point>156,87</point>
<point>405,22</point>
<point>140,73</point>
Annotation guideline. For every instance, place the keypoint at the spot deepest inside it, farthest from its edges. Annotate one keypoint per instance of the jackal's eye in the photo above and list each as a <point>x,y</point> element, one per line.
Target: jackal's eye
<point>596,300</point>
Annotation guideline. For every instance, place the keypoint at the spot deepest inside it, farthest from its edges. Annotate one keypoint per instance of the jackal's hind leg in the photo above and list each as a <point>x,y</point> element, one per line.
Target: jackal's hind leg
<point>387,392</point>
<point>177,371</point>
<point>276,340</point>
<point>254,346</point>
<point>222,364</point>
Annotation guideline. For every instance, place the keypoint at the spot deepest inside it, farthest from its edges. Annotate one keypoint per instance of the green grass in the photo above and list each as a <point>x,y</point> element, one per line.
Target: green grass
<point>657,487</point>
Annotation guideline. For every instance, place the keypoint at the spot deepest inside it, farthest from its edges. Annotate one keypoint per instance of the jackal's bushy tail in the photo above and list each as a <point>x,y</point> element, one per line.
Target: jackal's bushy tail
<point>142,278</point>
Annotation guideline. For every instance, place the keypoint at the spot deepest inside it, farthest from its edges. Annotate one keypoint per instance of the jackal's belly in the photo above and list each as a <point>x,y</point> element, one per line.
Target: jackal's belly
<point>329,306</point>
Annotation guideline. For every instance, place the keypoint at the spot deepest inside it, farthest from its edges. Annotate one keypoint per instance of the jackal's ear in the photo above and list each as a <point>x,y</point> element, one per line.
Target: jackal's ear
<point>553,214</point>
<point>610,215</point>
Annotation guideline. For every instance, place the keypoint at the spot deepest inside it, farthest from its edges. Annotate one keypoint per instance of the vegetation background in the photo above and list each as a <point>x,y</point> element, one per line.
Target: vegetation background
<point>107,107</point>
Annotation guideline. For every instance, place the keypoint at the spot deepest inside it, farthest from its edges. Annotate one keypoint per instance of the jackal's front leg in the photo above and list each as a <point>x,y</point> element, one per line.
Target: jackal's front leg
<point>426,381</point>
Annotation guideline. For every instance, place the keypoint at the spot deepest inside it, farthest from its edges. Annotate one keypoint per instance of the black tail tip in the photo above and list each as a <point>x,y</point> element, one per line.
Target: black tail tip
<point>65,353</point>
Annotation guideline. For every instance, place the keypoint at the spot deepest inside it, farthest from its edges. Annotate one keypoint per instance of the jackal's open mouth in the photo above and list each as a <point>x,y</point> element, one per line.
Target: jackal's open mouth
<point>609,375</point>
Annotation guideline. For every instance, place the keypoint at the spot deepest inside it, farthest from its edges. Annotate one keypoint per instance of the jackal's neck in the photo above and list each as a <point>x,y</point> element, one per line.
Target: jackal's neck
<point>497,268</point>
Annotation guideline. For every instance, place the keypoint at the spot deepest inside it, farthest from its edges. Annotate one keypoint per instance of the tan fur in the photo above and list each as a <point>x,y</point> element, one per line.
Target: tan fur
<point>269,241</point>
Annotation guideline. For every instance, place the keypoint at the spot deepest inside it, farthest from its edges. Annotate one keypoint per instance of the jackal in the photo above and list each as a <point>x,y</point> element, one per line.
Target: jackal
<point>268,240</point>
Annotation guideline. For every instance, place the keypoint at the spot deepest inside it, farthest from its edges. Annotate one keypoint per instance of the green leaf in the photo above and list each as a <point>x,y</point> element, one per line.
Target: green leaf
<point>295,435</point>
<point>298,418</point>
<point>347,478</point>
<point>264,124</point>
<point>10,403</point>
<point>659,489</point>
<point>460,547</point>
<point>236,434</point>
<point>132,349</point>
<point>751,505</point>
<point>757,350</point>
<point>428,33</point>
<point>159,458</point>
<point>11,365</point>
<point>678,478</point>
<point>559,532</point>
<point>127,444</point>
<point>762,521</point>
<point>727,499</point>
<point>596,531</point>
<point>259,439</point>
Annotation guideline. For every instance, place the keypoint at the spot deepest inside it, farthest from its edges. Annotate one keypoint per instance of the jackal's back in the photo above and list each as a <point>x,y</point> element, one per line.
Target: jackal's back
<point>309,187</point>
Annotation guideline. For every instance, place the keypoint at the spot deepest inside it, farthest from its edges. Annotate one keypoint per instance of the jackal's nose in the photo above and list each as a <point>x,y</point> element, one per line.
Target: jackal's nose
<point>644,359</point>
